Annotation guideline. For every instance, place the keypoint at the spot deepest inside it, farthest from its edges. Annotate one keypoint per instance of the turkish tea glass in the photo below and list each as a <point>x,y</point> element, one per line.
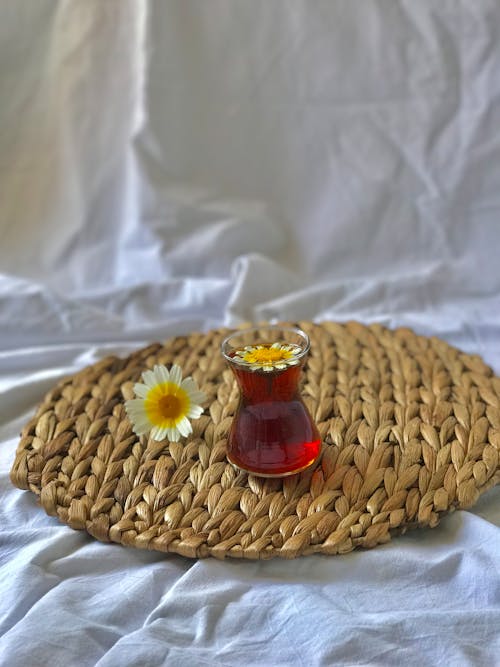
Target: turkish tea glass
<point>272,433</point>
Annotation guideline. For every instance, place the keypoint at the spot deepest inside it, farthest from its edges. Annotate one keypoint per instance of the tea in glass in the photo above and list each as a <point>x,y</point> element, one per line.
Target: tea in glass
<point>272,434</point>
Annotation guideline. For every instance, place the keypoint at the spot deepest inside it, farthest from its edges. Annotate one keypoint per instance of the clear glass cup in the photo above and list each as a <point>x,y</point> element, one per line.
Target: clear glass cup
<point>272,433</point>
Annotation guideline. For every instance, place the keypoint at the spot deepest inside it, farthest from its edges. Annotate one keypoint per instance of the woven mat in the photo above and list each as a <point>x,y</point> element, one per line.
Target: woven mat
<point>410,428</point>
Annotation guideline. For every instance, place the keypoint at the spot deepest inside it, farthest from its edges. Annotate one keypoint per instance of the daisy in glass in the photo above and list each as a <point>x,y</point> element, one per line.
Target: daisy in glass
<point>269,357</point>
<point>165,404</point>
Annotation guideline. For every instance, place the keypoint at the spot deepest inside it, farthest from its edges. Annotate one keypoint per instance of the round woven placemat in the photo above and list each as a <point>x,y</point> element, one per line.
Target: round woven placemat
<point>410,428</point>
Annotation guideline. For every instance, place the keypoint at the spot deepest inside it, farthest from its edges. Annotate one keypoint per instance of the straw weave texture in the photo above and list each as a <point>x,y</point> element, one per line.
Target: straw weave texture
<point>410,429</point>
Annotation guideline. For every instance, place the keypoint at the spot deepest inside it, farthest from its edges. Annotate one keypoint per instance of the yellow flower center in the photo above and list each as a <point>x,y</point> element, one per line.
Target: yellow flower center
<point>169,406</point>
<point>166,404</point>
<point>267,355</point>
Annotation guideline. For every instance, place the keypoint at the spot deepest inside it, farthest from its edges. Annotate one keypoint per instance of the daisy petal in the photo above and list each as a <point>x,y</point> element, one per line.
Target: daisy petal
<point>175,374</point>
<point>173,434</point>
<point>134,405</point>
<point>197,396</point>
<point>164,432</point>
<point>184,427</point>
<point>141,390</point>
<point>140,421</point>
<point>141,429</point>
<point>194,412</point>
<point>188,384</point>
<point>149,379</point>
<point>162,374</point>
<point>137,415</point>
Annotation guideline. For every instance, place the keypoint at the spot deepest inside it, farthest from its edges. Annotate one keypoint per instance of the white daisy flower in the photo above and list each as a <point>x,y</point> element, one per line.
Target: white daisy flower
<point>165,404</point>
<point>269,357</point>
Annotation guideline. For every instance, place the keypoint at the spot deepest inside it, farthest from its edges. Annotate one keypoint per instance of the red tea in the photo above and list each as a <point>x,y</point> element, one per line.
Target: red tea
<point>272,433</point>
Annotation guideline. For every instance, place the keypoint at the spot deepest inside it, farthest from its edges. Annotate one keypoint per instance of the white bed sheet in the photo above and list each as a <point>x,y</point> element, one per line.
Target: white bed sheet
<point>173,166</point>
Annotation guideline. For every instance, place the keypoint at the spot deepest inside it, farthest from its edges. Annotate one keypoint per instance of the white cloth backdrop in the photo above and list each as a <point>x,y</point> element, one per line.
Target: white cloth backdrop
<point>174,165</point>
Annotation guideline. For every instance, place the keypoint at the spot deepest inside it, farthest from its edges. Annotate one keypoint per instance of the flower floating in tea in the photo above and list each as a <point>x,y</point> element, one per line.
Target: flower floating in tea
<point>165,404</point>
<point>268,357</point>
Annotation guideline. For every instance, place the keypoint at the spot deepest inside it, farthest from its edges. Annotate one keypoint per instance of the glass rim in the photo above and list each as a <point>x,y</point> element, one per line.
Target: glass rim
<point>268,327</point>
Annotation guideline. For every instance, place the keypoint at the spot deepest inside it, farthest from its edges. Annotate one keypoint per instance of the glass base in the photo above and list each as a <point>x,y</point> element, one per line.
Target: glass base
<point>272,475</point>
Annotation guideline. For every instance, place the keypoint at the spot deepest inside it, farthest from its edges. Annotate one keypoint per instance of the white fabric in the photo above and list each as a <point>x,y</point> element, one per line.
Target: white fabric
<point>170,166</point>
